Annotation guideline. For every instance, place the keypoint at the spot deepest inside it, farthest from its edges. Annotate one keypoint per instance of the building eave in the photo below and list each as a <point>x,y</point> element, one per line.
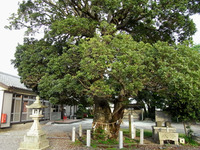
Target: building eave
<point>3,87</point>
<point>21,91</point>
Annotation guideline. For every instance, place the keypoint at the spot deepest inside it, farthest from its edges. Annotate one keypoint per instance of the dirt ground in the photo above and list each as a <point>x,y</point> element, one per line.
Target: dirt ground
<point>59,137</point>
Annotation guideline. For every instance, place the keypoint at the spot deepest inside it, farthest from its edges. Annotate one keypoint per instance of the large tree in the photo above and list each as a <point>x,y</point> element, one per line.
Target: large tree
<point>91,50</point>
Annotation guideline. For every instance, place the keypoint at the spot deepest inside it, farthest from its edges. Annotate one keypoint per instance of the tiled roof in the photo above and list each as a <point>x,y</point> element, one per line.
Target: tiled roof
<point>11,81</point>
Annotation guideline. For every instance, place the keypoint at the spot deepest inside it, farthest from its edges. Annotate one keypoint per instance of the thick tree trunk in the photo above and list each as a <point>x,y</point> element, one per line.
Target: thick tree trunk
<point>106,123</point>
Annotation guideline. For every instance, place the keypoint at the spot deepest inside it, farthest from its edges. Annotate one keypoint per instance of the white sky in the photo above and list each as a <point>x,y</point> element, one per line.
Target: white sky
<point>10,39</point>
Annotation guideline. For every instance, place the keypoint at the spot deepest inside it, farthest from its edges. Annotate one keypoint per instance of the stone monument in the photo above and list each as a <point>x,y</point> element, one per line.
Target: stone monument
<point>35,139</point>
<point>163,131</point>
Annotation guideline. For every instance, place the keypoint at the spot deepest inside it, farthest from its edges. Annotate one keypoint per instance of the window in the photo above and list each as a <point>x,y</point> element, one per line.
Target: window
<point>16,108</point>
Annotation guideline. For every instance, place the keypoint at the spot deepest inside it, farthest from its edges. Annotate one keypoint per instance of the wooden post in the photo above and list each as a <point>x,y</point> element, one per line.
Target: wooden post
<point>141,136</point>
<point>88,138</point>
<point>73,134</point>
<point>120,139</point>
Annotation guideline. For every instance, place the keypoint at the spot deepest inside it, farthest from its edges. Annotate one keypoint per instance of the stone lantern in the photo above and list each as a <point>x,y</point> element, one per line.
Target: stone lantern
<point>35,137</point>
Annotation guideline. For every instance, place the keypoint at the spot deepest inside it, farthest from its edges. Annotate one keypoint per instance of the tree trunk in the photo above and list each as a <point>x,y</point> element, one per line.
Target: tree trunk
<point>106,124</point>
<point>184,125</point>
<point>62,111</point>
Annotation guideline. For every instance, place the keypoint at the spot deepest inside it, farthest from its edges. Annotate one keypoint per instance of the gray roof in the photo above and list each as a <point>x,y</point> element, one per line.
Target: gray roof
<point>11,81</point>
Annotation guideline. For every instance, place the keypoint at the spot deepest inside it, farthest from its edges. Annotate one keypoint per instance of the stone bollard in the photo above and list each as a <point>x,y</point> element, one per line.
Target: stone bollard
<point>167,128</point>
<point>133,131</point>
<point>88,138</point>
<point>120,139</point>
<point>130,123</point>
<point>142,115</point>
<point>141,136</point>
<point>73,134</point>
<point>80,130</point>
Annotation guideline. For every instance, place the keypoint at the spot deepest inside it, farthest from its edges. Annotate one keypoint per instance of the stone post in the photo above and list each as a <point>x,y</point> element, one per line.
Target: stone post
<point>133,131</point>
<point>130,117</point>
<point>88,138</point>
<point>141,136</point>
<point>80,130</point>
<point>73,134</point>
<point>167,128</point>
<point>142,117</point>
<point>120,139</point>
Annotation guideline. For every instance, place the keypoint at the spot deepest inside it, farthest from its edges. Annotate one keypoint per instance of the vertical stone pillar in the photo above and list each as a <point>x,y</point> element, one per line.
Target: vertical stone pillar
<point>133,131</point>
<point>120,139</point>
<point>80,130</point>
<point>167,128</point>
<point>73,134</point>
<point>141,136</point>
<point>130,117</point>
<point>88,138</point>
<point>142,117</point>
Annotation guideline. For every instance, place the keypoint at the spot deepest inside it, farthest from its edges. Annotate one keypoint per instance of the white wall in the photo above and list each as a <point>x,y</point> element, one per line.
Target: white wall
<point>7,104</point>
<point>1,103</point>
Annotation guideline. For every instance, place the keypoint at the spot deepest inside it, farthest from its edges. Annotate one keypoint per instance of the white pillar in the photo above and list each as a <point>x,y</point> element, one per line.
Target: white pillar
<point>142,114</point>
<point>141,136</point>
<point>167,128</point>
<point>73,134</point>
<point>80,130</point>
<point>88,138</point>
<point>1,103</point>
<point>130,123</point>
<point>120,139</point>
<point>133,131</point>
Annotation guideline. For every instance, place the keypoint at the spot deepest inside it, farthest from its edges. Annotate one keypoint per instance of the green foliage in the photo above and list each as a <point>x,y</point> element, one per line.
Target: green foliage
<point>129,140</point>
<point>113,64</point>
<point>81,111</point>
<point>111,49</point>
<point>107,142</point>
<point>147,133</point>
<point>189,132</point>
<point>77,143</point>
<point>147,21</point>
<point>99,134</point>
<point>196,47</point>
<point>173,80</point>
<point>189,140</point>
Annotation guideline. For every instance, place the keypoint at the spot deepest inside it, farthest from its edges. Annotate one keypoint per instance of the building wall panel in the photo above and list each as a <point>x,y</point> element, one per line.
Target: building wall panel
<point>7,103</point>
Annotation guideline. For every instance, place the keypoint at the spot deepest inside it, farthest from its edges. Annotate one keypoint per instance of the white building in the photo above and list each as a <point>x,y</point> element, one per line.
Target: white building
<point>14,97</point>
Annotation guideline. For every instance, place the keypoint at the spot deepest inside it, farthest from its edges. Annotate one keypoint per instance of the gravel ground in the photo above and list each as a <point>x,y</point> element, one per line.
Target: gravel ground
<point>59,136</point>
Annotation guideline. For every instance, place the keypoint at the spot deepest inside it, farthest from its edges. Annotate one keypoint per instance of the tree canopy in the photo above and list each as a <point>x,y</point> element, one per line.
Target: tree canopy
<point>145,20</point>
<point>108,52</point>
<point>196,47</point>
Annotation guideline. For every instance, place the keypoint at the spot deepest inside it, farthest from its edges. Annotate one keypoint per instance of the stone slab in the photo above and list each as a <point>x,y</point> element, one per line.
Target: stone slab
<point>163,136</point>
<point>156,130</point>
<point>162,116</point>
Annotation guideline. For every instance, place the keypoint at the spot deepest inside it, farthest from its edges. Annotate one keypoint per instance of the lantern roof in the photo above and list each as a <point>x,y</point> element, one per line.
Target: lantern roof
<point>37,104</point>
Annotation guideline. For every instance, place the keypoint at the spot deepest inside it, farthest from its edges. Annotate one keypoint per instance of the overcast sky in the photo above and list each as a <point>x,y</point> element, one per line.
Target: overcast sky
<point>10,39</point>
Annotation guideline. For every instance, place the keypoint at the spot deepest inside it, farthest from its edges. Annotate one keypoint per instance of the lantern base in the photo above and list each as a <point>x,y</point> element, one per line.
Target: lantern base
<point>34,142</point>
